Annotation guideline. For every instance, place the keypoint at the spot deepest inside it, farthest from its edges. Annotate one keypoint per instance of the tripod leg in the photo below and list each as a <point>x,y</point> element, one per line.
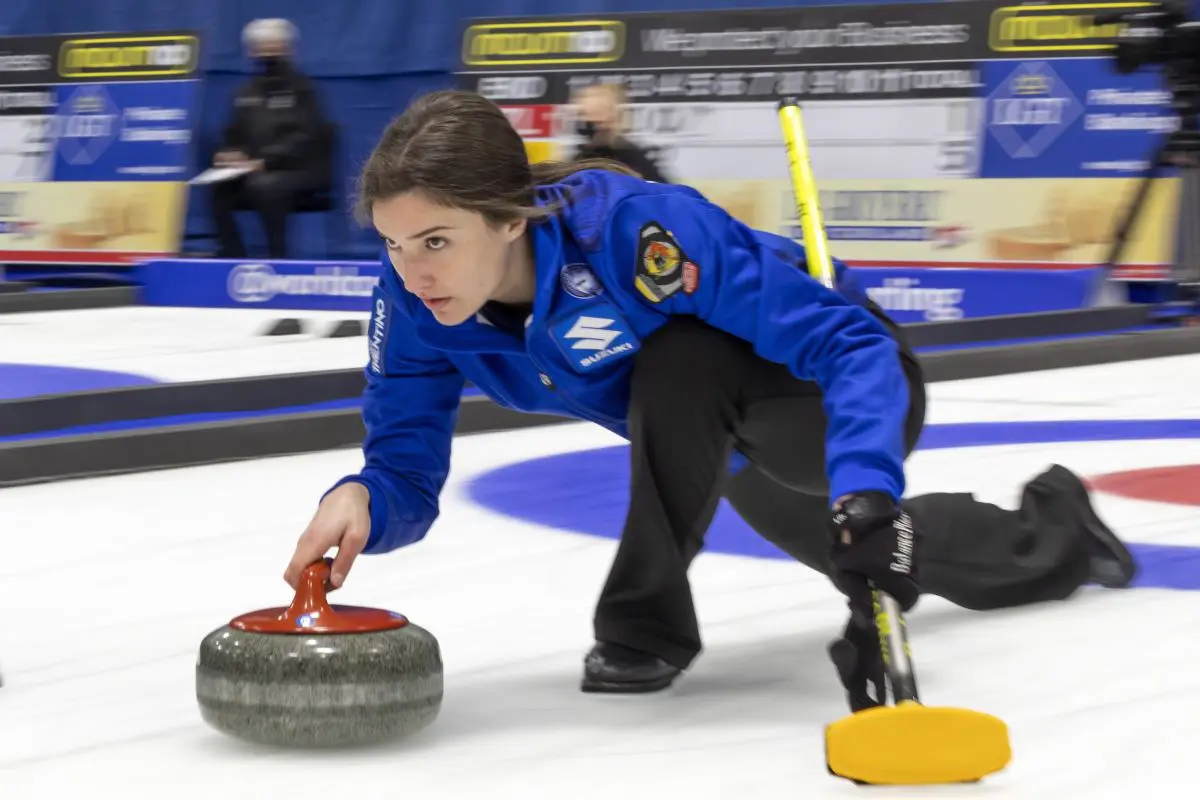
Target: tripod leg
<point>1135,207</point>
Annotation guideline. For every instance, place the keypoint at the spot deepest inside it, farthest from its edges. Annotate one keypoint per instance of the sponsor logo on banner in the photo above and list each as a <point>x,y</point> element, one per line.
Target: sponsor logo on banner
<point>795,40</point>
<point>128,56</point>
<point>27,60</point>
<point>893,215</point>
<point>531,122</point>
<point>89,125</point>
<point>25,63</point>
<point>260,283</point>
<point>508,88</point>
<point>907,294</point>
<point>1069,27</point>
<point>1031,109</point>
<point>27,100</point>
<point>918,295</point>
<point>823,34</point>
<point>737,85</point>
<point>525,43</point>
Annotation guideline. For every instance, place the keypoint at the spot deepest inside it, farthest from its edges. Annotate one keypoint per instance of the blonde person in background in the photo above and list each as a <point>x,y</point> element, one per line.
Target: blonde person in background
<point>600,124</point>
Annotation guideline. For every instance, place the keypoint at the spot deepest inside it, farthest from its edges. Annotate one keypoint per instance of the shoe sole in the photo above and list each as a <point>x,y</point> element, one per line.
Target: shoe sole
<point>592,686</point>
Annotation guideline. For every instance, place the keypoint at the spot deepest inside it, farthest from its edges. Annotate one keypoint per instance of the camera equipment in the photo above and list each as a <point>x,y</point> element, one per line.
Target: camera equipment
<point>1160,35</point>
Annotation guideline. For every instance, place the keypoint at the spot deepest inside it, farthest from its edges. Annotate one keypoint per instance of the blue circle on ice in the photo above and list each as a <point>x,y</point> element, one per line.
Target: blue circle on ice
<point>587,492</point>
<point>33,380</point>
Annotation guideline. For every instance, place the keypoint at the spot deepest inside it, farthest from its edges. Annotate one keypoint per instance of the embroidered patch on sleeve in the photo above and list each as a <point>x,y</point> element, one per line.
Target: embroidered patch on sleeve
<point>662,266</point>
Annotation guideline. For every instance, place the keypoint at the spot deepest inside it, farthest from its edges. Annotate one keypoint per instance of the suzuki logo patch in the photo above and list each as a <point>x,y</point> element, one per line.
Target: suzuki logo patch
<point>592,337</point>
<point>592,333</point>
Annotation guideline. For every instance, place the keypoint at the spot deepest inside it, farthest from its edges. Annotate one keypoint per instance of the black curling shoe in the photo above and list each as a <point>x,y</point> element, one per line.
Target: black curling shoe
<point>1112,565</point>
<point>616,669</point>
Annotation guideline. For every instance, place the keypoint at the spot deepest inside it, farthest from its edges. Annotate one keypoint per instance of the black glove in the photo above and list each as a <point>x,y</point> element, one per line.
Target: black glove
<point>873,540</point>
<point>858,658</point>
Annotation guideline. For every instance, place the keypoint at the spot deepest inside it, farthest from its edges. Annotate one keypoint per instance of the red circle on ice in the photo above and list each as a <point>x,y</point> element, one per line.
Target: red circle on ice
<point>1179,485</point>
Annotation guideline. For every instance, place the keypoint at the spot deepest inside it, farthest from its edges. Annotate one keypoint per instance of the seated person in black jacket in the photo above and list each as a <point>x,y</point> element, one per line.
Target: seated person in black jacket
<point>278,131</point>
<point>599,106</point>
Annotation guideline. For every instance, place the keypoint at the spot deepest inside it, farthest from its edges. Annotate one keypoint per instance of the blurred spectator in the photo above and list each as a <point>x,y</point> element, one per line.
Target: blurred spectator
<point>600,124</point>
<point>279,133</point>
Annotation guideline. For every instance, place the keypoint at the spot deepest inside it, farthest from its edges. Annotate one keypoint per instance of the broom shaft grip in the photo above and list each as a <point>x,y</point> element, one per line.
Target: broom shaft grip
<point>893,634</point>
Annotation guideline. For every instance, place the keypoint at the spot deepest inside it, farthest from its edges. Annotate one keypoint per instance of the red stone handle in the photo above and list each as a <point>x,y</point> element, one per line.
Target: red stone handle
<point>311,597</point>
<point>310,611</point>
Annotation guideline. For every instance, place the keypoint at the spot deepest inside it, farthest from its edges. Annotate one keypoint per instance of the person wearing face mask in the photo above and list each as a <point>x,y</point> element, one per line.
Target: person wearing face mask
<point>600,126</point>
<point>278,132</point>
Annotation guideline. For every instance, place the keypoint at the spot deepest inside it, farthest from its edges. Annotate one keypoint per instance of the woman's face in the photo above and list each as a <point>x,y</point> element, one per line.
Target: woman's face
<point>453,260</point>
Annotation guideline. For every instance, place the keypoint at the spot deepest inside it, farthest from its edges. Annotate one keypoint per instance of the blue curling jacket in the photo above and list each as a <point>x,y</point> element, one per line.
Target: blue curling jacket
<point>617,260</point>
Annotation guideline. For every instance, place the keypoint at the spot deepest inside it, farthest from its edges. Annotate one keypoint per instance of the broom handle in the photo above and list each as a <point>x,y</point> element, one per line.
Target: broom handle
<point>889,619</point>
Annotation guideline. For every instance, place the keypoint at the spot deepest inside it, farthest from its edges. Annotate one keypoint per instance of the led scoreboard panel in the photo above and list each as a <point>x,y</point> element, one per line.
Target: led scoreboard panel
<point>95,145</point>
<point>968,134</point>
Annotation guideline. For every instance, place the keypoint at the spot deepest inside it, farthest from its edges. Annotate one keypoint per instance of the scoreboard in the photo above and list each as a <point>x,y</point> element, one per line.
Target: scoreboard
<point>95,145</point>
<point>965,134</point>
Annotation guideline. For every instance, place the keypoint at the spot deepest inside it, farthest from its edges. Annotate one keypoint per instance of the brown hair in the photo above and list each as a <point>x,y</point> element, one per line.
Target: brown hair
<point>459,149</point>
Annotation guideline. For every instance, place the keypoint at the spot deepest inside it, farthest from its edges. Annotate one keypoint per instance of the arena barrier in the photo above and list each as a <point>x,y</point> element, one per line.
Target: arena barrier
<point>988,322</point>
<point>908,294</point>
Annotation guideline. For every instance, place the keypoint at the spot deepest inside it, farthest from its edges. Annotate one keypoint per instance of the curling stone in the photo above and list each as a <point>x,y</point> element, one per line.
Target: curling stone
<point>316,675</point>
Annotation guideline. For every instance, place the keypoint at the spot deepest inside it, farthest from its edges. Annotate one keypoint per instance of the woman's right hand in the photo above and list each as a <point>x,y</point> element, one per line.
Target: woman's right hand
<point>343,520</point>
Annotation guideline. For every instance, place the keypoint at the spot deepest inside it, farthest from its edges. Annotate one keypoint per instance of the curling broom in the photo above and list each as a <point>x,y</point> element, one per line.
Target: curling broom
<point>907,743</point>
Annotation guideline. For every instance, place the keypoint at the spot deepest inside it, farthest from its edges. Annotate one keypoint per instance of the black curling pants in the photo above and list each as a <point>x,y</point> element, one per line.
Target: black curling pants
<point>696,393</point>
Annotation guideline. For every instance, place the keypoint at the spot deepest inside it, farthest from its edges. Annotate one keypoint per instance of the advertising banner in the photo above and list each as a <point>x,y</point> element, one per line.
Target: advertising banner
<point>95,145</point>
<point>1040,223</point>
<point>94,219</point>
<point>983,135</point>
<point>294,285</point>
<point>947,295</point>
<point>909,295</point>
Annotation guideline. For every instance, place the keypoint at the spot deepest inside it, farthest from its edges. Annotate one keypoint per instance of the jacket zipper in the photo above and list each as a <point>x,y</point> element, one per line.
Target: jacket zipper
<point>570,402</point>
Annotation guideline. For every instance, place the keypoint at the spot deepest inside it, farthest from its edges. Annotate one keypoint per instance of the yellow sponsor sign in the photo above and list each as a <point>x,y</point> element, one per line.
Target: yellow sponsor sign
<point>1060,27</point>
<point>973,223</point>
<point>525,43</point>
<point>128,56</point>
<point>117,217</point>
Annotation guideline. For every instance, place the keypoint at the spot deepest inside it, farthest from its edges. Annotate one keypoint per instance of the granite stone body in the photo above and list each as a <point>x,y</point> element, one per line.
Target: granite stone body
<point>319,690</point>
